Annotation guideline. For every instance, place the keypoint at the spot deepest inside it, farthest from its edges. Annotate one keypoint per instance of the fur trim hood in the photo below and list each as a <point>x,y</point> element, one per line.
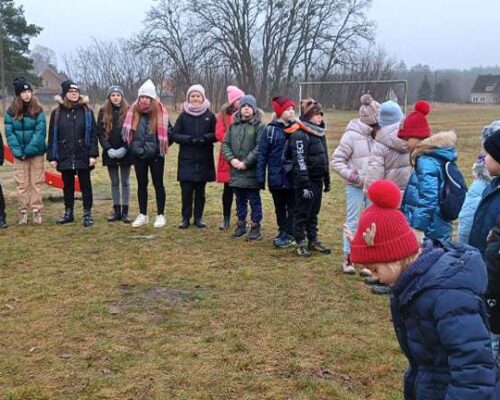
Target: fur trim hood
<point>82,101</point>
<point>441,140</point>
<point>256,119</point>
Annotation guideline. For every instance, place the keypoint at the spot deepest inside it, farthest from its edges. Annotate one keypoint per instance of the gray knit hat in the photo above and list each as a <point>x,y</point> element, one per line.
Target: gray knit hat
<point>490,129</point>
<point>114,89</point>
<point>369,110</point>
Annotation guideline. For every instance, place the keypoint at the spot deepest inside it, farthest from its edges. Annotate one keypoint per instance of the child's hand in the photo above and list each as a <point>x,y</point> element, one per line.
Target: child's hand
<point>235,163</point>
<point>92,161</point>
<point>53,164</point>
<point>348,233</point>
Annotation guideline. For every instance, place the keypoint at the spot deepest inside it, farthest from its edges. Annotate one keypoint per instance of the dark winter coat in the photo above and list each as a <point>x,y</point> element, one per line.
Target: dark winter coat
<point>26,136</point>
<point>492,259</point>
<point>270,156</point>
<point>114,141</point>
<point>484,218</point>
<point>242,142</point>
<point>308,153</point>
<point>1,150</point>
<point>441,325</point>
<point>72,139</point>
<point>421,197</point>
<point>196,137</point>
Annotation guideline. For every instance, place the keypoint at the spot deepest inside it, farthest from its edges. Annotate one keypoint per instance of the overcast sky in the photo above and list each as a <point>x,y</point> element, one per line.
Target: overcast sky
<point>440,33</point>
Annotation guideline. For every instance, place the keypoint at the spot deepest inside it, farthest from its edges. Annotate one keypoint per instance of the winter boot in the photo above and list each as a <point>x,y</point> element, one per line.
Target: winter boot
<point>317,246</point>
<point>199,223</point>
<point>254,232</point>
<point>302,249</point>
<point>23,217</point>
<point>3,220</point>
<point>381,289</point>
<point>184,224</point>
<point>125,218</point>
<point>67,217</point>
<point>88,220</point>
<point>225,224</point>
<point>116,215</point>
<point>241,229</point>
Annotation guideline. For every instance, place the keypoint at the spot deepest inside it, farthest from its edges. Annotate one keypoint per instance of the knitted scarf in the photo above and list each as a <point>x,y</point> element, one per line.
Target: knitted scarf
<point>307,127</point>
<point>161,130</point>
<point>195,110</point>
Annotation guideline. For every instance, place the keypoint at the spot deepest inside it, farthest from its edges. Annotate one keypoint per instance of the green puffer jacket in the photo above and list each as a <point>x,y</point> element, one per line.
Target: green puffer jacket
<point>26,136</point>
<point>242,142</point>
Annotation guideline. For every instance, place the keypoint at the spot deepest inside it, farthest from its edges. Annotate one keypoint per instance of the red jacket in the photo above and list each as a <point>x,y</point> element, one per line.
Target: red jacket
<point>223,167</point>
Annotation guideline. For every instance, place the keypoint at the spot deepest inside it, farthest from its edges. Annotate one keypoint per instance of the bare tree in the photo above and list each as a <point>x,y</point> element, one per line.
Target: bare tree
<point>43,57</point>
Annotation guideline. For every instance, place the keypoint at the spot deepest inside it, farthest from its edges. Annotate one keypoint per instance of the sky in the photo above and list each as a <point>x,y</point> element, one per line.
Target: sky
<point>440,33</point>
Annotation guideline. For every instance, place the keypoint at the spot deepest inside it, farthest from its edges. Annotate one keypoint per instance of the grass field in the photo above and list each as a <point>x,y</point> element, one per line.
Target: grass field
<point>116,313</point>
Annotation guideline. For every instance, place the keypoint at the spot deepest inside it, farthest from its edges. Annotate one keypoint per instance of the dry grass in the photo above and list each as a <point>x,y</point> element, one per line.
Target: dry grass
<point>116,313</point>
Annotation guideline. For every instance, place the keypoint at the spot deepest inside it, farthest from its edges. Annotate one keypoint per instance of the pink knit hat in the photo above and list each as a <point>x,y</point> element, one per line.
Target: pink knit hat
<point>233,94</point>
<point>196,88</point>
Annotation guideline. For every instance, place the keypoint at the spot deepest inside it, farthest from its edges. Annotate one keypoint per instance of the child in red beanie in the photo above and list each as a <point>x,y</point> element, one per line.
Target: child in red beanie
<point>429,154</point>
<point>437,305</point>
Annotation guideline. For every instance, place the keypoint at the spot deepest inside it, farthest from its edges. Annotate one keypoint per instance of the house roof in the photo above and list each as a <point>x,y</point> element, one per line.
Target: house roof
<point>51,71</point>
<point>483,81</point>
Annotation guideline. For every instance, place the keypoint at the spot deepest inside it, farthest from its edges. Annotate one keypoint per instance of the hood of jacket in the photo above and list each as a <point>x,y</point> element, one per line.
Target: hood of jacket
<point>388,136</point>
<point>457,268</point>
<point>441,144</point>
<point>256,119</point>
<point>357,126</point>
<point>82,101</point>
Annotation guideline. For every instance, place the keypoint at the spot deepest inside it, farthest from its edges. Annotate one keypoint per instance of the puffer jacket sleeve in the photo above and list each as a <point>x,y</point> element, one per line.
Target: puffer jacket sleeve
<point>50,143</point>
<point>469,208</point>
<point>263,155</point>
<point>37,146</point>
<point>428,177</point>
<point>465,337</point>
<point>376,164</point>
<point>14,145</point>
<point>341,156</point>
<point>299,144</point>
<point>251,158</point>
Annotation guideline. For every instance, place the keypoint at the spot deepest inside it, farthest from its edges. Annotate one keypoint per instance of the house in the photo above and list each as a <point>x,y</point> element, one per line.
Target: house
<point>51,84</point>
<point>486,90</point>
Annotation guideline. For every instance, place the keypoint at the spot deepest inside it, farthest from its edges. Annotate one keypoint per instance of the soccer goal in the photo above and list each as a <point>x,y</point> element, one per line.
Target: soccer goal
<point>345,95</point>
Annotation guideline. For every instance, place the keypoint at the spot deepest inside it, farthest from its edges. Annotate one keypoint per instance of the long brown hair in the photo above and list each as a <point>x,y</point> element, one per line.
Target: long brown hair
<point>34,107</point>
<point>152,114</point>
<point>107,115</point>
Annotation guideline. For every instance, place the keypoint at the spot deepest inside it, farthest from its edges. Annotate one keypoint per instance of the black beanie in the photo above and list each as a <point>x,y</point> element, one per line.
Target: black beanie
<point>20,85</point>
<point>492,146</point>
<point>66,85</point>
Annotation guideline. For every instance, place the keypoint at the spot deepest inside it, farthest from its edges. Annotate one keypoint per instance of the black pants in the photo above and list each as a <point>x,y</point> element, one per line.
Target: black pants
<point>68,177</point>
<point>189,191</point>
<point>284,204</point>
<point>227,200</point>
<point>2,202</point>
<point>156,166</point>
<point>305,213</point>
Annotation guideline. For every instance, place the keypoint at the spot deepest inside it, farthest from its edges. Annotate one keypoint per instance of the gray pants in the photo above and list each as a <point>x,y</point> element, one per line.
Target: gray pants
<point>117,174</point>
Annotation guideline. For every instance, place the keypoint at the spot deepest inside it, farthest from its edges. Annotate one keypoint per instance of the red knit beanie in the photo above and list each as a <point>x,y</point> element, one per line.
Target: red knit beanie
<point>281,104</point>
<point>383,234</point>
<point>415,125</point>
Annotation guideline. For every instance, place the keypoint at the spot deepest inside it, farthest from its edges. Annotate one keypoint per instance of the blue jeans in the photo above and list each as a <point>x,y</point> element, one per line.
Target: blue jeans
<point>245,196</point>
<point>356,202</point>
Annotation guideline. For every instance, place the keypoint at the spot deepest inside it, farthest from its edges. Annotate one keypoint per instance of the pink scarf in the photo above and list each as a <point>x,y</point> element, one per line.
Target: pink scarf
<point>161,130</point>
<point>195,111</point>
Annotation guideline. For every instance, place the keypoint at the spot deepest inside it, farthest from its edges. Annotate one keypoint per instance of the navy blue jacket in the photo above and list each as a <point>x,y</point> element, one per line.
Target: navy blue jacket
<point>485,216</point>
<point>270,156</point>
<point>440,320</point>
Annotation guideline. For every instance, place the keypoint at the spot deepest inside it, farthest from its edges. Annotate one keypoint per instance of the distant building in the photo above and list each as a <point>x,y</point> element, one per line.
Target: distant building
<point>486,90</point>
<point>51,84</point>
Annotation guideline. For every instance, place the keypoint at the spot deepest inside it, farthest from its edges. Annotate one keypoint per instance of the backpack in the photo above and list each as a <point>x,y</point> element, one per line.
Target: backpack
<point>454,191</point>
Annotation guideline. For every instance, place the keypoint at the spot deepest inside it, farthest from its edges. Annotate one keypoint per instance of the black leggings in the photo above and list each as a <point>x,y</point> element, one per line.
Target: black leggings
<point>68,177</point>
<point>227,200</point>
<point>156,165</point>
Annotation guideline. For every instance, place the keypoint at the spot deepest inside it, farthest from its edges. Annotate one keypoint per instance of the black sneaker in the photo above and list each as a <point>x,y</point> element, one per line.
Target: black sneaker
<point>184,224</point>
<point>302,250</point>
<point>67,218</point>
<point>116,215</point>
<point>254,232</point>
<point>370,280</point>
<point>225,224</point>
<point>88,220</point>
<point>241,229</point>
<point>200,223</point>
<point>317,246</point>
<point>3,222</point>
<point>381,289</point>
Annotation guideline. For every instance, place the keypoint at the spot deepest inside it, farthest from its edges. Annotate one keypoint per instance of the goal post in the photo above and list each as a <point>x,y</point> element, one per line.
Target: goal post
<point>345,95</point>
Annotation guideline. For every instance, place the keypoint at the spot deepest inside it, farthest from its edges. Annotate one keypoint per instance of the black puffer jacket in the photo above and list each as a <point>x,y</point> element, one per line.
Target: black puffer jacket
<point>114,141</point>
<point>308,153</point>
<point>196,159</point>
<point>75,142</point>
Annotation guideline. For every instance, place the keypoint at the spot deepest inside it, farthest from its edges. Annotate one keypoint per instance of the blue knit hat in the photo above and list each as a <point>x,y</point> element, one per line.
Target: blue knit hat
<point>248,100</point>
<point>390,113</point>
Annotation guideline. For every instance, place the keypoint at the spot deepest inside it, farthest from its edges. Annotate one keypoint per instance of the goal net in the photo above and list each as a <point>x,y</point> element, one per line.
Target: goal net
<point>345,95</point>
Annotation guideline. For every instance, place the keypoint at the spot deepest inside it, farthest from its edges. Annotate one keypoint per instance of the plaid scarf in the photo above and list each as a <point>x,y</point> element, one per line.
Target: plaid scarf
<point>161,130</point>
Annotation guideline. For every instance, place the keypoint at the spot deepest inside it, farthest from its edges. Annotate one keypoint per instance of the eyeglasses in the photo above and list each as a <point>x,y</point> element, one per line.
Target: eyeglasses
<point>73,91</point>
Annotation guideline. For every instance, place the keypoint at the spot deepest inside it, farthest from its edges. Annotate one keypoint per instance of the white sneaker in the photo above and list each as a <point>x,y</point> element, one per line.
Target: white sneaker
<point>159,221</point>
<point>37,217</point>
<point>23,217</point>
<point>140,221</point>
